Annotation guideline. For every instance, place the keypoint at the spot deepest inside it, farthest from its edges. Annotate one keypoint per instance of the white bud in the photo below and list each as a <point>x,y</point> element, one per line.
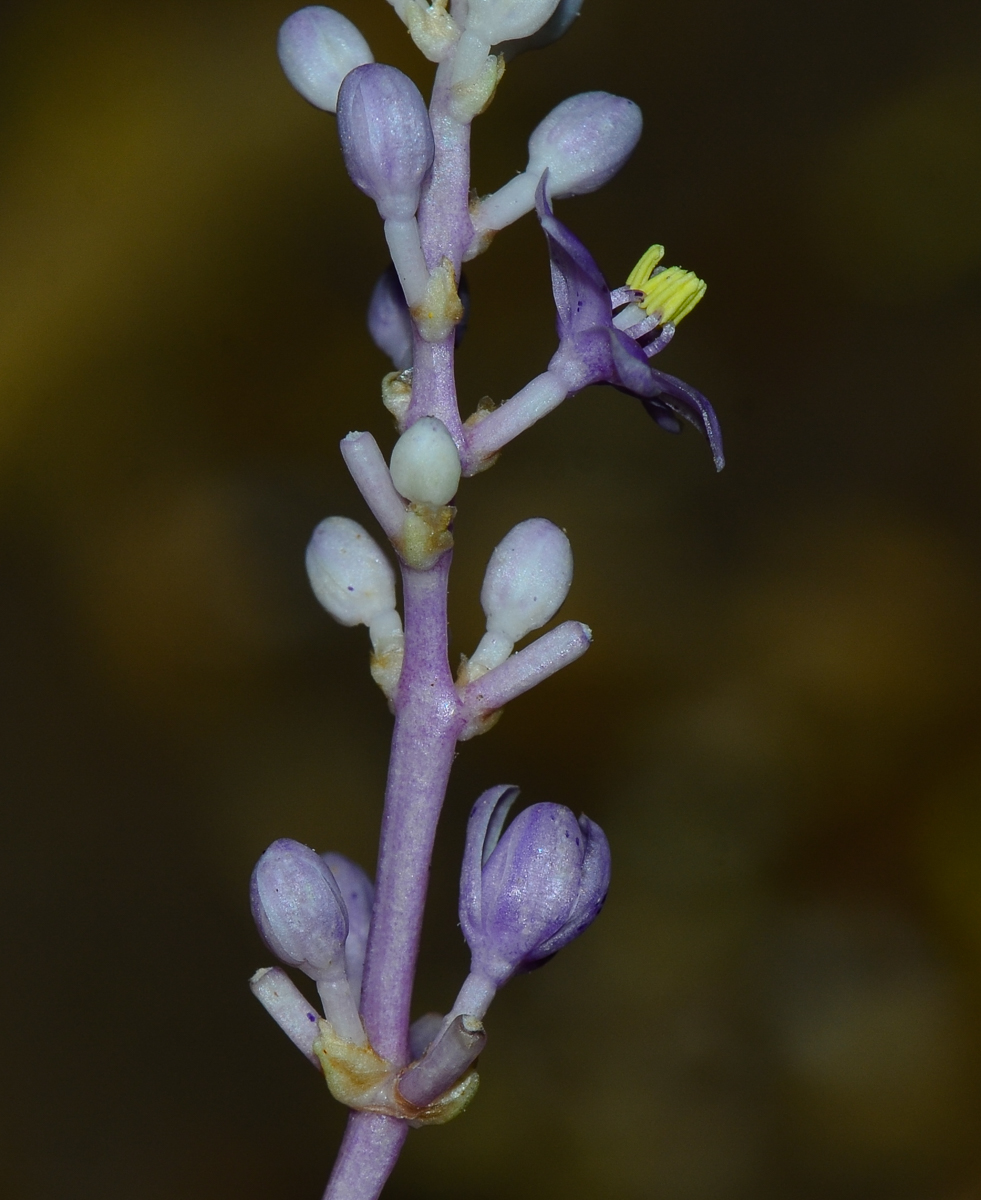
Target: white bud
<point>426,464</point>
<point>317,48</point>
<point>583,142</point>
<point>350,575</point>
<point>496,21</point>
<point>528,577</point>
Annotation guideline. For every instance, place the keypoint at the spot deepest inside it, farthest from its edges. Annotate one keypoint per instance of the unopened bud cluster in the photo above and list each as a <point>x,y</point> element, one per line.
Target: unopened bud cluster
<point>303,918</point>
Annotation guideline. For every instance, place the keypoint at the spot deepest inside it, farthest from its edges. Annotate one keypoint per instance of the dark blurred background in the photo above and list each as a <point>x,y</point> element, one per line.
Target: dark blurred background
<point>777,724</point>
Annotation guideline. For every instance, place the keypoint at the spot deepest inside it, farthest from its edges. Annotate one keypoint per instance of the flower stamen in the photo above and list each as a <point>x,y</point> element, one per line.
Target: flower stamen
<point>669,292</point>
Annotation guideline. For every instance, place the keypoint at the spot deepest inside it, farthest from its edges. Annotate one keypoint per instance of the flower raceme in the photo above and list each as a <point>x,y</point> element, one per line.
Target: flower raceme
<point>527,889</point>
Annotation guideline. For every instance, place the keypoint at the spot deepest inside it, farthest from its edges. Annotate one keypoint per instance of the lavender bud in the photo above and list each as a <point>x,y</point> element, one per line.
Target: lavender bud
<point>386,137</point>
<point>557,24</point>
<point>349,574</point>
<point>389,322</point>
<point>527,893</point>
<point>583,142</point>
<point>299,910</point>
<point>527,579</point>
<point>426,463</point>
<point>317,48</point>
<point>496,21</point>
<point>359,895</point>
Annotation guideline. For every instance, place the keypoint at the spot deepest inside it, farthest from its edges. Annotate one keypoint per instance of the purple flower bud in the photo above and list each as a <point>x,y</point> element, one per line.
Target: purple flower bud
<point>527,893</point>
<point>317,48</point>
<point>386,137</point>
<point>389,322</point>
<point>359,895</point>
<point>299,910</point>
<point>557,24</point>
<point>584,141</point>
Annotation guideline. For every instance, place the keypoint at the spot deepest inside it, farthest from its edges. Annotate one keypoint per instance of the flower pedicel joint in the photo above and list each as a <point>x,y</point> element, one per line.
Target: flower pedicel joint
<point>528,888</point>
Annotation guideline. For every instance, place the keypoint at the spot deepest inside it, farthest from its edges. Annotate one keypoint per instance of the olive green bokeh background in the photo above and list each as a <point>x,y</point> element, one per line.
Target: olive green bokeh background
<point>777,724</point>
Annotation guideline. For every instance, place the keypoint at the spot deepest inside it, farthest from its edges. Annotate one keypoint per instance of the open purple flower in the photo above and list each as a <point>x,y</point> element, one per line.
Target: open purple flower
<point>593,348</point>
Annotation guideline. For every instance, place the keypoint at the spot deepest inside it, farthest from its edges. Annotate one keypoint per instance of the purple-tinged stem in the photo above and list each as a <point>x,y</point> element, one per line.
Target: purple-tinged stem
<point>428,721</point>
<point>446,230</point>
<point>487,436</point>
<point>434,386</point>
<point>529,666</point>
<point>444,211</point>
<point>369,1151</point>
<point>368,468</point>
<point>444,1062</point>
<point>288,1007</point>
<point>428,715</point>
<point>474,997</point>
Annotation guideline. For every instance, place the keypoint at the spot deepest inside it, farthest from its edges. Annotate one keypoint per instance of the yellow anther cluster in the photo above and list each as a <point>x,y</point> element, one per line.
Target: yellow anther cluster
<point>671,292</point>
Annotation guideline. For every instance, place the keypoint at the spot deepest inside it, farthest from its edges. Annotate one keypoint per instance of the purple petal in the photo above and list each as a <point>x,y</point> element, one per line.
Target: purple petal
<point>529,889</point>
<point>389,322</point>
<point>484,827</point>
<point>674,397</point>
<point>594,883</point>
<point>582,298</point>
<point>298,908</point>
